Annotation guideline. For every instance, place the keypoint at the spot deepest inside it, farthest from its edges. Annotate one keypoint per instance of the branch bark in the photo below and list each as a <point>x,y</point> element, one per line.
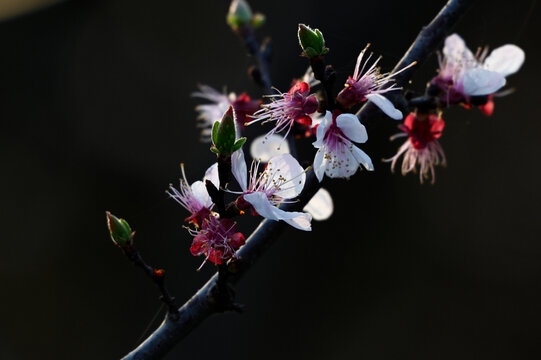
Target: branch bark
<point>204,303</point>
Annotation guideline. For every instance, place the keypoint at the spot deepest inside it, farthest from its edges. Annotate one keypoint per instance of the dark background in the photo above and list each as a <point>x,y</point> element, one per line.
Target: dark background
<point>95,114</point>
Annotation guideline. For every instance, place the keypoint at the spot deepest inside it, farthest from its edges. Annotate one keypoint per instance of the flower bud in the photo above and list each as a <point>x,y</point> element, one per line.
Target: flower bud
<point>258,20</point>
<point>239,14</point>
<point>120,230</point>
<point>311,41</point>
<point>224,135</point>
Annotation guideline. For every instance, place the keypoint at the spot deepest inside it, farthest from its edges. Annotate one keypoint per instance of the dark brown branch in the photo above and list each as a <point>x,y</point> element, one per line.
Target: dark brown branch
<point>326,75</point>
<point>156,275</point>
<point>204,302</point>
<point>248,35</point>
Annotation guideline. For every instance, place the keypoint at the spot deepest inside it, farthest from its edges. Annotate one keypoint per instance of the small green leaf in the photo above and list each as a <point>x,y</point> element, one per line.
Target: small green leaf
<point>215,127</point>
<point>238,144</point>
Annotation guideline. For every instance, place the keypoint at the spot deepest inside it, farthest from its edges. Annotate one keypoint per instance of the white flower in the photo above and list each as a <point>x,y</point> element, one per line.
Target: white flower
<point>337,156</point>
<point>368,83</point>
<point>282,180</point>
<point>195,198</point>
<point>464,74</point>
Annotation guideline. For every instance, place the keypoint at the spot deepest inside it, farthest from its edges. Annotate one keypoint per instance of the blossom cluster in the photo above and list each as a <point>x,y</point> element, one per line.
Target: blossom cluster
<point>275,177</point>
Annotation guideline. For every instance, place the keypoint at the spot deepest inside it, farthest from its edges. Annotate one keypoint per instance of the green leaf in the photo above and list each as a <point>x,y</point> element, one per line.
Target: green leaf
<point>215,127</point>
<point>238,144</point>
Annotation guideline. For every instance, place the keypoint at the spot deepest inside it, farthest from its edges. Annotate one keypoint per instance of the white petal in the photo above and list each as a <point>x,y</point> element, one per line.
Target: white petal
<point>362,158</point>
<point>482,82</point>
<point>505,60</point>
<point>317,119</point>
<point>285,167</point>
<point>385,105</point>
<point>320,134</point>
<point>265,147</point>
<point>199,190</point>
<point>301,221</point>
<point>456,51</point>
<point>320,206</point>
<point>238,168</point>
<point>352,127</point>
<point>319,166</point>
<point>212,175</point>
<point>262,205</point>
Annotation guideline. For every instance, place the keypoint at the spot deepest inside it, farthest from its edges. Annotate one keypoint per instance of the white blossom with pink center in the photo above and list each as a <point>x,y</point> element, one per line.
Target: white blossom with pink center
<point>282,181</point>
<point>464,74</point>
<point>195,197</point>
<point>297,105</point>
<point>336,156</point>
<point>368,84</point>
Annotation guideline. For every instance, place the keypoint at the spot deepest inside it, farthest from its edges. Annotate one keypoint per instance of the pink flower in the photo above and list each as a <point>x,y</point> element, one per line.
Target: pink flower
<point>422,147</point>
<point>195,198</point>
<point>287,108</point>
<point>282,180</point>
<point>337,157</point>
<point>463,74</point>
<point>217,239</point>
<point>219,104</point>
<point>369,85</point>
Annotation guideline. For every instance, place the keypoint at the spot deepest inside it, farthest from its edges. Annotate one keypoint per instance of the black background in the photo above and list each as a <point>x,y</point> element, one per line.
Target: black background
<point>95,114</point>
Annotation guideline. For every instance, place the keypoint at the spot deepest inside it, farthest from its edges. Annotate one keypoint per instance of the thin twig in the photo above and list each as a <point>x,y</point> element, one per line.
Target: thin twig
<point>204,303</point>
<point>248,35</point>
<point>156,275</point>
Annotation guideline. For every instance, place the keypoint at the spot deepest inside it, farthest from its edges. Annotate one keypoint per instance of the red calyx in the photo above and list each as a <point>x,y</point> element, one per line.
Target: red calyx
<point>422,129</point>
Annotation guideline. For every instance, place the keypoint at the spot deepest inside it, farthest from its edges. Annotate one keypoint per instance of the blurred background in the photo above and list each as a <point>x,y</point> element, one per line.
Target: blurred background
<point>96,114</point>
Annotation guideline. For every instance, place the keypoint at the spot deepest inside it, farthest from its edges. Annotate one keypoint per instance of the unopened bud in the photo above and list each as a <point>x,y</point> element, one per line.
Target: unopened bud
<point>239,14</point>
<point>311,41</point>
<point>224,135</point>
<point>120,230</point>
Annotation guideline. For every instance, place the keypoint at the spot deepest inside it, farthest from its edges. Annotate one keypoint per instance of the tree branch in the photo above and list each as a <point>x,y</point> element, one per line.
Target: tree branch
<point>204,302</point>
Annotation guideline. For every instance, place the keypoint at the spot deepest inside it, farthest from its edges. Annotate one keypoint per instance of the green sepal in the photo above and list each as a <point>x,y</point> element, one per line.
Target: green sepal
<point>215,127</point>
<point>238,144</point>
<point>119,229</point>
